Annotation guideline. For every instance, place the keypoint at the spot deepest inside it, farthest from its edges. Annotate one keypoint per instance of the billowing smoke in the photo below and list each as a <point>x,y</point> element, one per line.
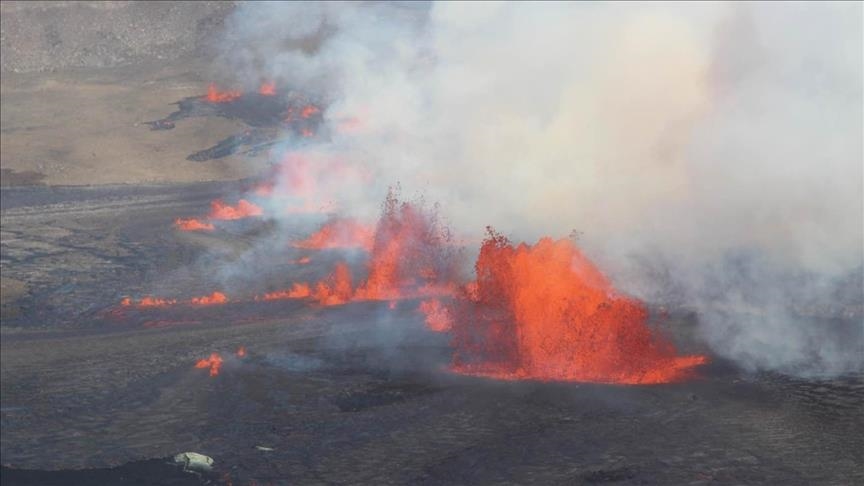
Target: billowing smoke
<point>709,155</point>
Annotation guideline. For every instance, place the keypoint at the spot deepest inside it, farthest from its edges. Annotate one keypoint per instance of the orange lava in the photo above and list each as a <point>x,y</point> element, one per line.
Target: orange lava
<point>309,111</point>
<point>336,289</point>
<point>147,302</point>
<point>297,291</point>
<point>216,96</point>
<point>243,209</point>
<point>212,299</point>
<point>301,261</point>
<point>192,224</point>
<point>267,89</point>
<point>546,312</point>
<point>437,316</point>
<point>214,362</point>
<point>410,255</point>
<point>241,352</point>
<point>339,233</point>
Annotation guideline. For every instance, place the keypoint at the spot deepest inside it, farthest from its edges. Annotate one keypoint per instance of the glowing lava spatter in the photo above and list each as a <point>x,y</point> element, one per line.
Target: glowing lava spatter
<point>212,299</point>
<point>243,209</point>
<point>267,89</point>
<point>545,312</point>
<point>216,96</point>
<point>297,291</point>
<point>336,289</point>
<point>241,352</point>
<point>339,233</point>
<point>214,362</point>
<point>438,317</point>
<point>309,111</point>
<point>411,255</point>
<point>147,302</point>
<point>192,224</point>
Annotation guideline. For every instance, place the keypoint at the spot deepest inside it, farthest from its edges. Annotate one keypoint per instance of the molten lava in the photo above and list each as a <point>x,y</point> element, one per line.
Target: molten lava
<point>214,362</point>
<point>410,254</point>
<point>212,299</point>
<point>297,291</point>
<point>243,209</point>
<point>192,224</point>
<point>241,352</point>
<point>339,233</point>
<point>147,302</point>
<point>336,289</point>
<point>545,312</point>
<point>309,111</point>
<point>216,96</point>
<point>437,315</point>
<point>267,89</point>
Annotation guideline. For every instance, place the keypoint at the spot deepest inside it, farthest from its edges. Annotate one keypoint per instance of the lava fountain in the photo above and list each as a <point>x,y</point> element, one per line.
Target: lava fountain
<point>545,312</point>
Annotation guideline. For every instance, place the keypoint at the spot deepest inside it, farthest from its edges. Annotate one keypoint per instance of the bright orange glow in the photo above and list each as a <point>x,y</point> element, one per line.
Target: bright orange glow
<point>214,362</point>
<point>336,288</point>
<point>147,302</point>
<point>309,111</point>
<point>243,209</point>
<point>212,299</point>
<point>339,233</point>
<point>216,96</point>
<point>192,224</point>
<point>546,312</point>
<point>409,255</point>
<point>437,316</point>
<point>297,291</point>
<point>267,89</point>
<point>241,352</point>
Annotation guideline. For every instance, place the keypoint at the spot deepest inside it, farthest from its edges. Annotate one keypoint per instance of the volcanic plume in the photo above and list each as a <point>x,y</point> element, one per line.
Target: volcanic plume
<point>546,312</point>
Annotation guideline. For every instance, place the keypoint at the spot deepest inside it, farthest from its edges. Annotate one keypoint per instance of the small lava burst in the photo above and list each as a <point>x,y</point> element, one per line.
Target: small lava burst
<point>147,302</point>
<point>216,96</point>
<point>241,352</point>
<point>546,312</point>
<point>267,89</point>
<point>410,254</point>
<point>339,233</point>
<point>212,299</point>
<point>336,289</point>
<point>297,291</point>
<point>409,258</point>
<point>192,224</point>
<point>438,317</point>
<point>214,362</point>
<point>243,209</point>
<point>309,111</point>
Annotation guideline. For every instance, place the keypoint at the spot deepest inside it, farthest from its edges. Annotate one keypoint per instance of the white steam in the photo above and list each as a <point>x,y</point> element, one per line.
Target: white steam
<point>711,154</point>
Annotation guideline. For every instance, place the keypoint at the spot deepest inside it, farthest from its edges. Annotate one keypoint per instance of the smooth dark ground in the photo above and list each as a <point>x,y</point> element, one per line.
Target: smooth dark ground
<point>344,395</point>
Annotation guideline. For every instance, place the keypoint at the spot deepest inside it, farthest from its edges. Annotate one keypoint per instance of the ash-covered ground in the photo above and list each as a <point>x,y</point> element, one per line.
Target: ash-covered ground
<point>351,394</point>
<point>92,392</point>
